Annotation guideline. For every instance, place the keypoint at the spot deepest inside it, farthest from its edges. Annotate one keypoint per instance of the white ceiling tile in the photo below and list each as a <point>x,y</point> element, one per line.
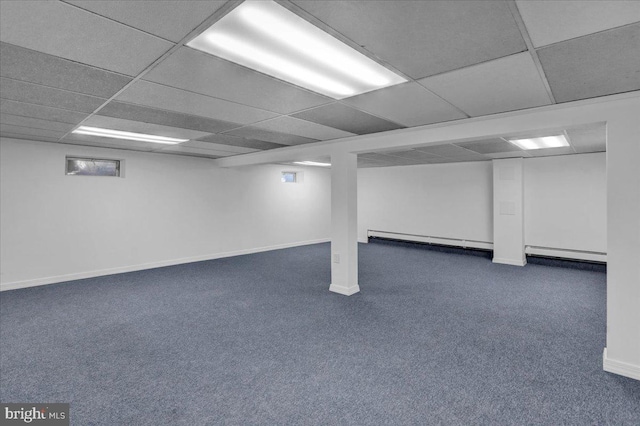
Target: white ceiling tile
<point>423,38</point>
<point>35,123</point>
<point>303,128</point>
<point>199,72</point>
<point>167,19</point>
<point>409,104</point>
<point>553,21</point>
<point>505,84</point>
<point>63,30</point>
<point>141,127</point>
<point>594,65</point>
<point>172,99</point>
<point>218,147</point>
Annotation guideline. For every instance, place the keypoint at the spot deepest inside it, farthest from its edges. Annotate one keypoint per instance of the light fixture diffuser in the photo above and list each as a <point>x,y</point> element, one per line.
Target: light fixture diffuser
<point>119,134</point>
<point>264,36</point>
<point>312,163</point>
<point>541,142</point>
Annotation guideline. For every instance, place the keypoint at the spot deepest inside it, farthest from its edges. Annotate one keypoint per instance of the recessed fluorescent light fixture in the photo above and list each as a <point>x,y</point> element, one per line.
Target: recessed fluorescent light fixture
<point>267,37</point>
<point>542,142</point>
<point>118,134</point>
<point>312,163</point>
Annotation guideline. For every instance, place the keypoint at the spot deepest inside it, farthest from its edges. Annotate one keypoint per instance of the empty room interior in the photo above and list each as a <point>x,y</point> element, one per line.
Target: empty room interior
<point>320,212</point>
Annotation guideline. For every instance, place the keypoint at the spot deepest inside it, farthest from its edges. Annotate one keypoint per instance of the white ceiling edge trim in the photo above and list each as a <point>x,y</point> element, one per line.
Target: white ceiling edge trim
<point>570,114</point>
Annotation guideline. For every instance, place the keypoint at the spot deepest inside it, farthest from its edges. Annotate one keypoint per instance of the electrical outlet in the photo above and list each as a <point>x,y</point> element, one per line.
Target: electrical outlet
<point>336,258</point>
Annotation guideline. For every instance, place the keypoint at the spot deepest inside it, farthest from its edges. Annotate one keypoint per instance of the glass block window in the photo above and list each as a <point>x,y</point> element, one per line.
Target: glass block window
<point>289,177</point>
<point>92,167</point>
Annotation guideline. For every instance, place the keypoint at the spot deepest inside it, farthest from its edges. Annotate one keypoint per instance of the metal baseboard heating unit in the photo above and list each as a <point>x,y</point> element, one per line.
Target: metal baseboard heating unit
<point>588,256</point>
<point>441,241</point>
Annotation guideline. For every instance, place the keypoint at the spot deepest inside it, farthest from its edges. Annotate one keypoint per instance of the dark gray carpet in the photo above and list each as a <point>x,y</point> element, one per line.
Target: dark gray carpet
<point>433,338</point>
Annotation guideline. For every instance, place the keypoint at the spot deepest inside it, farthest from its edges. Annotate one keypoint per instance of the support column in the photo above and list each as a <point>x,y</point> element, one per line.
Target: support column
<point>622,354</point>
<point>508,211</point>
<point>344,223</point>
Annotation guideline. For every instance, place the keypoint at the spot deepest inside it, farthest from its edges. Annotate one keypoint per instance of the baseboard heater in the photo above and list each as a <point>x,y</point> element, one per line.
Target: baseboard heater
<point>579,255</point>
<point>588,256</point>
<point>441,241</point>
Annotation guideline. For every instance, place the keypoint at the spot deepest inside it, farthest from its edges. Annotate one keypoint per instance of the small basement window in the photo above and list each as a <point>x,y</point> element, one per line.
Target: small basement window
<point>289,177</point>
<point>92,167</point>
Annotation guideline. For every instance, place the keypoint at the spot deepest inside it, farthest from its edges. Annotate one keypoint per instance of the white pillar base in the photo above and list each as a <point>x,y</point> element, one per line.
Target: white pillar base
<point>345,291</point>
<point>619,367</point>
<point>510,261</point>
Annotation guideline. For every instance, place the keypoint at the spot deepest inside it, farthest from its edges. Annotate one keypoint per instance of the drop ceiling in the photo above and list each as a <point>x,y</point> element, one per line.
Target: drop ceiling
<point>125,65</point>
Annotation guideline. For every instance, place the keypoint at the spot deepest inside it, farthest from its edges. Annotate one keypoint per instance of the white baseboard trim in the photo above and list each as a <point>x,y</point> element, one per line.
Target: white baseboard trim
<point>132,268</point>
<point>346,291</point>
<point>566,253</point>
<point>619,367</point>
<point>514,262</point>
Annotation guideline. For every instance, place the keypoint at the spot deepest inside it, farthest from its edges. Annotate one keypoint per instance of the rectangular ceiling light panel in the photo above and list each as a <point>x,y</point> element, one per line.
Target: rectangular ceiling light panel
<point>264,36</point>
<point>119,134</point>
<point>541,143</point>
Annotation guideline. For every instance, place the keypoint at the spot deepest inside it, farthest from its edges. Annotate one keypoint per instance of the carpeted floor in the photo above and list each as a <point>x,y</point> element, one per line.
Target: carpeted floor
<point>433,338</point>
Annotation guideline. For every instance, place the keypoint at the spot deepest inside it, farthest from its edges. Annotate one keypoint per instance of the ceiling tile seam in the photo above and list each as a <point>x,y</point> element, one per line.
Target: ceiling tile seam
<point>9,135</point>
<point>369,113</point>
<point>204,25</point>
<point>630,24</point>
<point>39,118</point>
<point>266,130</point>
<point>257,123</point>
<point>50,87</point>
<point>68,60</point>
<point>34,128</point>
<point>45,106</point>
<point>443,99</point>
<point>301,12</point>
<point>5,114</point>
<point>470,65</point>
<point>116,21</point>
<point>524,32</point>
<point>172,112</point>
<point>205,95</point>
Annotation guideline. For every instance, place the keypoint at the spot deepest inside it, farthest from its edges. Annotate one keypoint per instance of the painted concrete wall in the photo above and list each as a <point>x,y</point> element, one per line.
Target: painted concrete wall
<point>166,209</point>
<point>564,201</point>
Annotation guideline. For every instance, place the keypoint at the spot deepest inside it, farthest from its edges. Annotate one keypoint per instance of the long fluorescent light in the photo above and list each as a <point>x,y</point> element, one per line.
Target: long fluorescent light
<point>541,143</point>
<point>312,163</point>
<point>264,36</point>
<point>118,134</point>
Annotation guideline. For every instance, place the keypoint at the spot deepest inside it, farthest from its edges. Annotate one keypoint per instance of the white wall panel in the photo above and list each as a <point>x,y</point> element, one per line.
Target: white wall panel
<point>440,200</point>
<point>565,202</point>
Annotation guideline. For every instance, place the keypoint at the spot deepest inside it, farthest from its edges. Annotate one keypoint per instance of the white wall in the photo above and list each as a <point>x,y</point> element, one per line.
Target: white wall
<point>565,201</point>
<point>167,209</point>
<point>440,200</point>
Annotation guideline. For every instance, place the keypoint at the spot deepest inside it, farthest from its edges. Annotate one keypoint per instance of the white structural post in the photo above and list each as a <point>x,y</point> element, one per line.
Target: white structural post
<point>508,211</point>
<point>622,354</point>
<point>344,223</point>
